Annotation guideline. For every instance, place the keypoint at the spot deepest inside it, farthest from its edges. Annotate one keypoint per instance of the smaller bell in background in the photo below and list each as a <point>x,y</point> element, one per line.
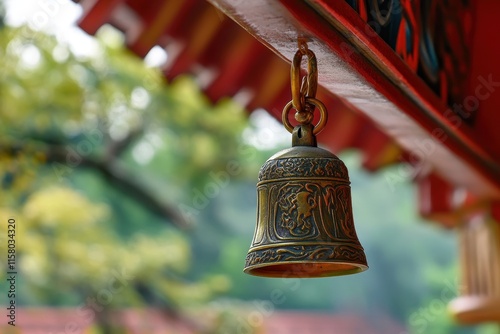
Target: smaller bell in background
<point>305,225</point>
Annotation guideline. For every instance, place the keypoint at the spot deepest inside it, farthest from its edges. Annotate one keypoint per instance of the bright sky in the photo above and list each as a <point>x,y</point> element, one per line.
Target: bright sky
<point>56,17</point>
<point>59,17</point>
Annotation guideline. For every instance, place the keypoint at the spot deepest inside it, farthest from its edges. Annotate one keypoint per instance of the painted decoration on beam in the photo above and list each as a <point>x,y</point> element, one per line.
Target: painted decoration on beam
<point>432,37</point>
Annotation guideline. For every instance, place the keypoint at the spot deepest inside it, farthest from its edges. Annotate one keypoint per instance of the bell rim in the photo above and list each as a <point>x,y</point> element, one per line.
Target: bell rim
<point>358,268</point>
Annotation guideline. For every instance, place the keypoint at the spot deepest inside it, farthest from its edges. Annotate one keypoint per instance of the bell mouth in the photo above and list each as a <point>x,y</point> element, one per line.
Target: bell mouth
<point>305,269</point>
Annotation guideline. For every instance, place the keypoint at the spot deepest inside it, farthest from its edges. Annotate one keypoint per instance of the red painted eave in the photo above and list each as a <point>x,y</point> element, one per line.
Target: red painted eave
<point>231,62</point>
<point>376,102</point>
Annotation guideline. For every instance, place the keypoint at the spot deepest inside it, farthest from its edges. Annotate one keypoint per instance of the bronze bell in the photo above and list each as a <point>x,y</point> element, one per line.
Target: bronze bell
<point>305,225</point>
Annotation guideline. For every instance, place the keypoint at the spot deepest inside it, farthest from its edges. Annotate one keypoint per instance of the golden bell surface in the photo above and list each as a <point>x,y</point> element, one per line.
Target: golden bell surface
<point>305,224</point>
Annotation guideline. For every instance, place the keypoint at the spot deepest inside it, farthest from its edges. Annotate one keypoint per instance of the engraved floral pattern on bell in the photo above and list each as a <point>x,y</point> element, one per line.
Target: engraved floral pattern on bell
<point>303,167</point>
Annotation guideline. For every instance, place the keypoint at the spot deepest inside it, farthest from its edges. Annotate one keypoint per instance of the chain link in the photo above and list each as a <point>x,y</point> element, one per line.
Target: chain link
<point>309,84</point>
<point>304,91</point>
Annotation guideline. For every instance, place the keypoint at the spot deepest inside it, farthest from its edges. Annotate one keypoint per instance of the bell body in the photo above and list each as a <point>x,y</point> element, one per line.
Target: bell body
<point>305,225</point>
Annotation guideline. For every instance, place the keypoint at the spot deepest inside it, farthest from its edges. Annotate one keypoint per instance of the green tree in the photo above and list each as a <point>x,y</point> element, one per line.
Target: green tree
<point>95,154</point>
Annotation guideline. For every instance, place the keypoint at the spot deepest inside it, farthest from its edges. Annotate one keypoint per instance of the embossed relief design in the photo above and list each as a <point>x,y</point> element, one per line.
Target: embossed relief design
<point>296,203</point>
<point>344,211</point>
<point>303,167</point>
<point>263,211</point>
<point>338,209</point>
<point>312,211</point>
<point>339,253</point>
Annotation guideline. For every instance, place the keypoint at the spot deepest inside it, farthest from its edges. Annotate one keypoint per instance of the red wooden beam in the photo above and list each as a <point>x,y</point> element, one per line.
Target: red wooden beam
<point>484,83</point>
<point>197,38</point>
<point>245,57</point>
<point>96,13</point>
<point>166,14</point>
<point>451,206</point>
<point>271,84</point>
<point>357,65</point>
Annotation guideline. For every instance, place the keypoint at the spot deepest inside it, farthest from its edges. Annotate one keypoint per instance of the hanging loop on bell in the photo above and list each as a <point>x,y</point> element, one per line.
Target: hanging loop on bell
<point>304,94</point>
<point>309,84</point>
<point>301,90</point>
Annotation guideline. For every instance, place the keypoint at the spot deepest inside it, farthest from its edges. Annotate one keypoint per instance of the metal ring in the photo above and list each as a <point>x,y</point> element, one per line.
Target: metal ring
<point>323,115</point>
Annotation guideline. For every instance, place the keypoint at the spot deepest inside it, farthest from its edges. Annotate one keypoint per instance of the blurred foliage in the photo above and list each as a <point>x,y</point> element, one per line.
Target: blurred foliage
<point>73,126</point>
<point>74,129</point>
